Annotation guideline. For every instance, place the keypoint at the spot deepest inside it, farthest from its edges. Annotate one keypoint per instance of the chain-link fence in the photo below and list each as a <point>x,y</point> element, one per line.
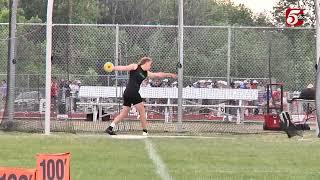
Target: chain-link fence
<point>211,54</point>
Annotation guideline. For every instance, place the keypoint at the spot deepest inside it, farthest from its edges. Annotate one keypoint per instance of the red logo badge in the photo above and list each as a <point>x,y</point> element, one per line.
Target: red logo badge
<point>294,17</point>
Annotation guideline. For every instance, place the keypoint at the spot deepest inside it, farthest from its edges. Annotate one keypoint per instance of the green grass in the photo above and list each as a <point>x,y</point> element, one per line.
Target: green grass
<point>241,157</point>
<point>91,157</point>
<point>224,157</point>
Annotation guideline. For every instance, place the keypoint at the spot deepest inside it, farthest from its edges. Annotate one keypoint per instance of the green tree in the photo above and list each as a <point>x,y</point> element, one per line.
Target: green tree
<point>205,12</point>
<point>64,11</point>
<point>138,12</point>
<point>4,12</point>
<point>38,8</point>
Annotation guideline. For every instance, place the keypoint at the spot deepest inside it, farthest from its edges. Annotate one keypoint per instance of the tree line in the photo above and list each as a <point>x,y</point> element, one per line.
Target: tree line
<point>82,50</point>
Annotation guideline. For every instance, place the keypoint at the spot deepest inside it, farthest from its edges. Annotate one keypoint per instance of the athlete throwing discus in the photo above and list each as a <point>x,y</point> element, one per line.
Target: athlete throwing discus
<point>137,73</point>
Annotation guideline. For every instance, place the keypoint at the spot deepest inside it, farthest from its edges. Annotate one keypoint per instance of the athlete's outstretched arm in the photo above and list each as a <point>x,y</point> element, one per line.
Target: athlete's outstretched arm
<point>161,75</point>
<point>125,68</point>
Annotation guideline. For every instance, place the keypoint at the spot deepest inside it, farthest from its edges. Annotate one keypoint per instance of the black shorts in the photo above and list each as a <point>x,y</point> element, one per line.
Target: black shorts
<point>131,99</point>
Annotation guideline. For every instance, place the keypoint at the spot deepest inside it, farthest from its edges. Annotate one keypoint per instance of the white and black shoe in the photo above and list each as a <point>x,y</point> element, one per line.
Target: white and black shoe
<point>145,134</point>
<point>110,131</point>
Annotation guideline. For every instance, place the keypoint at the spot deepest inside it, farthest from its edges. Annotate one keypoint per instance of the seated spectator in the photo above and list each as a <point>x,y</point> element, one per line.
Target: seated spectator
<point>144,83</point>
<point>209,84</point>
<point>254,84</point>
<point>308,93</point>
<point>157,83</point>
<point>215,84</point>
<point>232,85</point>
<point>237,84</point>
<point>195,85</point>
<point>247,84</point>
<point>149,83</point>
<point>242,85</point>
<point>222,84</point>
<point>174,84</point>
<point>202,83</point>
<point>165,83</point>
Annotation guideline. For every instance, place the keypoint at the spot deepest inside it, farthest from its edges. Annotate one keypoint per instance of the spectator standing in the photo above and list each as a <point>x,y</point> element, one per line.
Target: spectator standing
<point>54,94</point>
<point>4,93</point>
<point>74,90</point>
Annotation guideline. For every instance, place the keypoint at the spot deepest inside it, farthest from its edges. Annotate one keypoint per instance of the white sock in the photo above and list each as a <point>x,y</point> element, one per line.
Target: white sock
<point>113,124</point>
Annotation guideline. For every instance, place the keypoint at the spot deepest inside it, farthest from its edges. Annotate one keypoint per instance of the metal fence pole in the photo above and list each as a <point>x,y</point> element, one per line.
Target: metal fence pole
<point>28,82</point>
<point>48,67</point>
<point>180,69</point>
<point>12,59</point>
<point>116,63</point>
<point>317,10</point>
<point>229,55</point>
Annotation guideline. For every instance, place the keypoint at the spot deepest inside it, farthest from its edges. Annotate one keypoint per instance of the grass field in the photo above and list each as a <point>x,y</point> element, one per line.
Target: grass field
<point>99,157</point>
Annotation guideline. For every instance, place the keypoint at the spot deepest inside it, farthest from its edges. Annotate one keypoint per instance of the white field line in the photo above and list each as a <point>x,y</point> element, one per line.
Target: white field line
<point>160,165</point>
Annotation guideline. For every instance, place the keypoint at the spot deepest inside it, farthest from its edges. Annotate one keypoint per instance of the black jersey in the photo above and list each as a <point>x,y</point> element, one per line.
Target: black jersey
<point>135,79</point>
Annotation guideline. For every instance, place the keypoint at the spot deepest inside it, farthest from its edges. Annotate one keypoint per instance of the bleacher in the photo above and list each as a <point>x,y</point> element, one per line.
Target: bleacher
<point>96,97</point>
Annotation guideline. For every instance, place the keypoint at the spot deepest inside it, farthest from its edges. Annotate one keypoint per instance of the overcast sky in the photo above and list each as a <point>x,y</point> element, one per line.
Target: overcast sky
<point>257,6</point>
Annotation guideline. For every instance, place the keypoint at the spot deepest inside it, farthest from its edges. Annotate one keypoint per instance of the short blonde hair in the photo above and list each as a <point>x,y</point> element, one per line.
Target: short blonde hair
<point>144,60</point>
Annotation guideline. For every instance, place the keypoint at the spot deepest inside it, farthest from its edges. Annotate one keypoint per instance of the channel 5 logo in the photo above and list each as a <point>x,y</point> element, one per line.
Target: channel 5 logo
<point>294,17</point>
